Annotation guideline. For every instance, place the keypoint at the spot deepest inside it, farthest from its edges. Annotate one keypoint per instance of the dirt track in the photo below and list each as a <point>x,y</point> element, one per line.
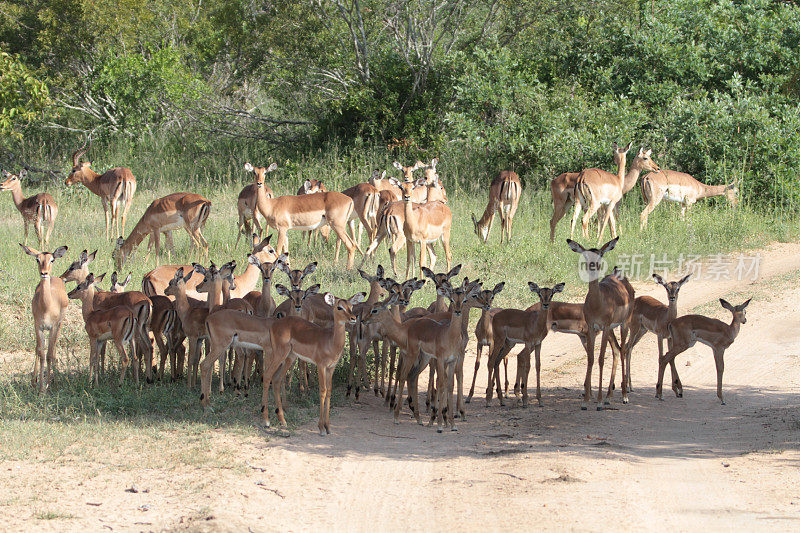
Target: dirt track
<point>676,464</point>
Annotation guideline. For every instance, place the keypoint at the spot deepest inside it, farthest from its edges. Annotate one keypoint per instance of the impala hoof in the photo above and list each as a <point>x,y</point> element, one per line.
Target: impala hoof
<point>599,407</point>
<point>467,400</point>
<point>606,402</point>
<point>624,400</point>
<point>439,430</point>
<point>453,428</point>
<point>584,408</point>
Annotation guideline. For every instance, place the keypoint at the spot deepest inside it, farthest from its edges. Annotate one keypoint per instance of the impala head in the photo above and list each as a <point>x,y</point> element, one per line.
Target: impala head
<point>672,286</point>
<point>12,181</point>
<point>377,176</point>
<point>45,260</point>
<point>436,190</point>
<point>592,266</point>
<point>376,279</point>
<point>78,270</point>
<point>79,168</point>
<point>312,186</point>
<point>732,194</point>
<point>267,268</point>
<point>86,288</point>
<point>739,314</point>
<point>408,172</point>
<point>545,294</point>
<point>486,297</point>
<point>260,173</point>
<point>120,255</point>
<point>210,275</point>
<point>263,249</point>
<point>621,153</point>
<point>644,161</point>
<point>297,276</point>
<point>442,277</point>
<point>374,312</point>
<point>178,282</point>
<point>297,295</point>
<point>481,231</point>
<point>118,285</point>
<point>459,295</point>
<point>343,309</point>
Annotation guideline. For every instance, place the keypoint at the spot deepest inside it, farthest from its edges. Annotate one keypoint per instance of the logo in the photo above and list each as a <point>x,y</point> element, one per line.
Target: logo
<point>591,266</point>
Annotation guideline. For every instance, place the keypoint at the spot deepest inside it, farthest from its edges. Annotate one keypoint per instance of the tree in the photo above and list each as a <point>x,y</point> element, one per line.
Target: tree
<point>22,96</point>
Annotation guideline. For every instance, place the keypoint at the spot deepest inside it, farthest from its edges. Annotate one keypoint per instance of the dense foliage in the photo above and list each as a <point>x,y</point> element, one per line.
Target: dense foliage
<point>540,86</point>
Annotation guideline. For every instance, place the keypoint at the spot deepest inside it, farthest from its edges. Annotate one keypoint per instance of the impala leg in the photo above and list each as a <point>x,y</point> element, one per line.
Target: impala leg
<point>448,254</point>
<point>505,366</point>
<point>430,394</point>
<point>40,357</point>
<point>49,232</point>
<point>390,394</point>
<point>402,372</point>
<point>123,360</point>
<point>475,374</point>
<point>378,367</point>
<point>341,233</point>
<point>538,351</point>
<point>323,395</point>
<point>352,366</point>
<point>410,252</point>
<point>613,375</point>
<point>459,375</point>
<point>575,216</point>
<point>720,364</point>
<point>37,225</point>
<point>677,386</point>
<point>328,391</point>
<point>606,217</point>
<point>108,216</point>
<point>600,363</point>
<point>587,383</point>
<point>523,368</point>
<point>363,348</point>
<point>429,246</point>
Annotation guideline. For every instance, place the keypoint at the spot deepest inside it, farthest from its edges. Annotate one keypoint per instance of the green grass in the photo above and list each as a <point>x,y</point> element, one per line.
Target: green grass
<point>150,411</point>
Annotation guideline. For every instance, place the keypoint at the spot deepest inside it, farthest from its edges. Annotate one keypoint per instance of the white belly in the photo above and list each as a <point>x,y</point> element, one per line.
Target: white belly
<point>675,193</point>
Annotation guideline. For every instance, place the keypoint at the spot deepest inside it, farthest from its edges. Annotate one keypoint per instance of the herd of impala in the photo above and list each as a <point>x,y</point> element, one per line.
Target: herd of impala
<point>227,320</point>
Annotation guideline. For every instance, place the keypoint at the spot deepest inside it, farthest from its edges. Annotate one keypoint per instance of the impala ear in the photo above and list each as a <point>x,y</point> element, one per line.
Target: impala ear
<point>533,287</point>
<point>84,257</point>
<point>684,279</point>
<point>741,307</point>
<point>727,306</point>
<point>498,287</point>
<point>178,273</point>
<point>188,276</point>
<point>120,242</point>
<point>558,288</point>
<point>394,182</point>
<point>454,271</point>
<point>397,165</point>
<point>60,251</point>
<point>88,281</point>
<point>427,272</point>
<point>329,298</point>
<point>273,167</point>
<point>127,279</point>
<point>200,269</point>
<point>575,247</point>
<point>364,275</point>
<point>434,162</point>
<point>614,146</point>
<point>420,182</point>
<point>383,174</point>
<point>659,280</point>
<point>99,279</point>
<point>314,289</point>
<point>307,186</point>
<point>91,257</point>
<point>248,167</point>
<point>628,147</point>
<point>29,251</point>
<point>253,260</point>
<point>379,271</point>
<point>607,247</point>
<point>357,298</point>
<point>281,289</point>
<point>310,269</point>
<point>114,278</point>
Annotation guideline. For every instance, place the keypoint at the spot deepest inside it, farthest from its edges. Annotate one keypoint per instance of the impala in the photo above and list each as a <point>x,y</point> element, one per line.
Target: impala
<point>596,188</point>
<point>115,187</point>
<point>307,212</point>
<point>687,330</point>
<point>193,320</point>
<point>504,193</point>
<point>48,306</point>
<point>651,315</point>
<point>117,323</point>
<point>608,304</point>
<point>513,326</point>
<point>246,203</point>
<point>293,337</point>
<point>562,190</point>
<point>365,201</point>
<point>483,331</point>
<point>78,270</point>
<point>362,335</point>
<point>40,209</point>
<point>174,211</point>
<point>682,188</point>
<point>424,224</point>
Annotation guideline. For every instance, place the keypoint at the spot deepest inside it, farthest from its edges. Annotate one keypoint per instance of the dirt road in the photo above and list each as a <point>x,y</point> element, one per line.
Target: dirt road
<point>678,464</point>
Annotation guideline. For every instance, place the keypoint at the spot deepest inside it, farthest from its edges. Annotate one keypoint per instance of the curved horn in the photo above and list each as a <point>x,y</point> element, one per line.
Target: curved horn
<point>79,152</point>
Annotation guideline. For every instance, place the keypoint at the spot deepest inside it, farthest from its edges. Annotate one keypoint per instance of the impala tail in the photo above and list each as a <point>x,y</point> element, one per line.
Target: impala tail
<point>148,288</point>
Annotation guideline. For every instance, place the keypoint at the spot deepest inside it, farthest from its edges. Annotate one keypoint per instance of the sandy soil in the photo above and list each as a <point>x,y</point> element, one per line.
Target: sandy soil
<point>680,464</point>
